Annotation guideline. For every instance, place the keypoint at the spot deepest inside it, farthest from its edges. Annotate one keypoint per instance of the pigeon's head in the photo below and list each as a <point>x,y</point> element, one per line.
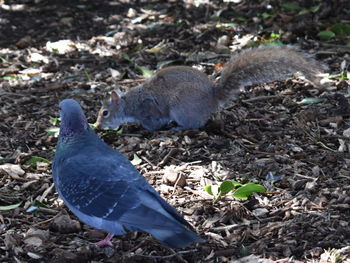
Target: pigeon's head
<point>73,120</point>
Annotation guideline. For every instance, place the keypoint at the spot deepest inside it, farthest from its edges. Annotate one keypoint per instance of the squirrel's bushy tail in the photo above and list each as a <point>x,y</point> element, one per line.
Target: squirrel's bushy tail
<point>265,64</point>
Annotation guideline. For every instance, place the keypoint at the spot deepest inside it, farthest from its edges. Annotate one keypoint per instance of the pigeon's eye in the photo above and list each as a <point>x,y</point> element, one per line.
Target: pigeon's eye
<point>105,113</point>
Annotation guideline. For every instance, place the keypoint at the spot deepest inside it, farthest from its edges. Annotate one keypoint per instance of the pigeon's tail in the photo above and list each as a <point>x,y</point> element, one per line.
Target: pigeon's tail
<point>173,239</point>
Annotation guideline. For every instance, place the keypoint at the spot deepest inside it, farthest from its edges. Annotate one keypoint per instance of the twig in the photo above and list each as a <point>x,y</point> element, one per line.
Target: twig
<point>262,98</point>
<point>46,221</point>
<point>167,157</point>
<point>204,199</point>
<point>177,181</point>
<point>47,210</point>
<point>167,256</point>
<point>228,228</point>
<point>148,161</point>
<point>46,192</point>
<point>153,172</point>
<point>77,59</point>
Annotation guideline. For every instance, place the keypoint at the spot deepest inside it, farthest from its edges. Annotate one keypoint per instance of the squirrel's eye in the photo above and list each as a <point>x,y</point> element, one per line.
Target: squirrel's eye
<point>105,113</point>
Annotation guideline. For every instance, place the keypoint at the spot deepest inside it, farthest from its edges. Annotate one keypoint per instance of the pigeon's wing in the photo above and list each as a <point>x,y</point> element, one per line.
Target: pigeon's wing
<point>97,188</point>
<point>97,185</point>
<point>108,187</point>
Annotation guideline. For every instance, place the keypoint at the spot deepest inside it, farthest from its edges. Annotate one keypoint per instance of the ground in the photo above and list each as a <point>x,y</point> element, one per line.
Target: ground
<point>298,151</point>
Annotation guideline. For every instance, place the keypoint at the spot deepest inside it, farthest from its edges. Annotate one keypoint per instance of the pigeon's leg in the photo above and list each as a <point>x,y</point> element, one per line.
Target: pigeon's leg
<point>106,241</point>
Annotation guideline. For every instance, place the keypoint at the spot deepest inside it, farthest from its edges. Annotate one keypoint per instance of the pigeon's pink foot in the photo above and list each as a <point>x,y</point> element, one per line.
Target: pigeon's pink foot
<point>105,242</point>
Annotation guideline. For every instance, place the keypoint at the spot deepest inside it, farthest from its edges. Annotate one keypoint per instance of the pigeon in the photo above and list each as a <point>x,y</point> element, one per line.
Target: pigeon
<point>104,190</point>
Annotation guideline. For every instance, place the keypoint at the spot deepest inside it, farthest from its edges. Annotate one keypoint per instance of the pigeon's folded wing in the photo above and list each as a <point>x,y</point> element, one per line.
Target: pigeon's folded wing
<point>100,192</point>
<point>97,187</point>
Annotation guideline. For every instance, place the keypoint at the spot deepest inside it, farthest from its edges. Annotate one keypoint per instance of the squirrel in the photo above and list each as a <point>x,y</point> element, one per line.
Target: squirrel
<point>188,97</point>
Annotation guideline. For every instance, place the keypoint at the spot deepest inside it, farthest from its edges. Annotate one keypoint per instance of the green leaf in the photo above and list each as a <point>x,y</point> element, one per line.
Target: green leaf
<point>54,120</point>
<point>303,11</point>
<point>87,75</point>
<point>136,160</point>
<point>341,29</point>
<point>341,76</point>
<point>248,189</point>
<point>291,6</point>
<point>3,60</point>
<point>145,72</point>
<point>275,35</point>
<point>53,131</point>
<point>273,43</point>
<point>10,207</point>
<point>112,132</point>
<point>315,8</point>
<point>326,35</point>
<point>127,57</point>
<point>265,15</point>
<point>241,19</point>
<point>33,161</point>
<point>93,126</point>
<point>235,183</point>
<point>308,101</point>
<point>226,186</point>
<point>157,48</point>
<point>207,188</point>
<point>8,77</point>
<point>164,63</point>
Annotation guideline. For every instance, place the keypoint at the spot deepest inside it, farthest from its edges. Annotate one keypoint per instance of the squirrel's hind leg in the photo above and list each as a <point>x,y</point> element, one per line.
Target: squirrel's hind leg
<point>189,120</point>
<point>152,124</point>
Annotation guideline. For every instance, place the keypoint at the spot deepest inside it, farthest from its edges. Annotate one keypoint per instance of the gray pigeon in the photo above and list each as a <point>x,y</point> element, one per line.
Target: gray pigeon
<point>104,190</point>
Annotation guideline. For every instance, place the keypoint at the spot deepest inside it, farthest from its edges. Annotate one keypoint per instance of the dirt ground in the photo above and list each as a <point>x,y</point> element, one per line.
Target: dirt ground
<point>298,151</point>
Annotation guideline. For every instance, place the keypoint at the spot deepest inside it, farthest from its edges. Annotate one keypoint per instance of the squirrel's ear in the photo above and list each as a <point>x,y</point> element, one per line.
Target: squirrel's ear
<point>115,97</point>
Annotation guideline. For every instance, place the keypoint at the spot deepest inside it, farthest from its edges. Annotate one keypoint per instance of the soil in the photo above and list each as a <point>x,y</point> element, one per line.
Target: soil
<point>299,150</point>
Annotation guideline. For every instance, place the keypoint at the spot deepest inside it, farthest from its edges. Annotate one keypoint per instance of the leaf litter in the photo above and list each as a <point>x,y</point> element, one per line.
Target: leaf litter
<point>287,136</point>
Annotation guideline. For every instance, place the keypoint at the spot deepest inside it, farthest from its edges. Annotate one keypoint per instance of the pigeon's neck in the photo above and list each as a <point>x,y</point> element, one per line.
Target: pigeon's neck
<point>73,127</point>
<point>68,137</point>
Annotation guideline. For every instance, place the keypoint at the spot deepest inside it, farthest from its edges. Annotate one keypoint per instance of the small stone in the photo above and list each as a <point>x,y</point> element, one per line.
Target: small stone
<point>93,233</point>
<point>42,234</point>
<point>316,171</point>
<point>139,251</point>
<point>24,42</point>
<point>12,170</point>
<point>131,13</point>
<point>172,177</point>
<point>42,166</point>
<point>9,240</point>
<point>108,251</point>
<point>68,21</point>
<point>188,140</point>
<point>310,185</point>
<point>299,185</point>
<point>34,255</point>
<point>188,211</point>
<point>64,224</point>
<point>259,212</point>
<point>33,241</point>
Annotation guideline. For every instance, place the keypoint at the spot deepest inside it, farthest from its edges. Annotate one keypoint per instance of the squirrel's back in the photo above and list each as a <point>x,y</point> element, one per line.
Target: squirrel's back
<point>176,82</point>
<point>265,64</point>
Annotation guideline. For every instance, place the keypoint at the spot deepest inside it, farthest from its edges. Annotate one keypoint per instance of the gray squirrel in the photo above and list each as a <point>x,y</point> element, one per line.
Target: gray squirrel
<point>186,95</point>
